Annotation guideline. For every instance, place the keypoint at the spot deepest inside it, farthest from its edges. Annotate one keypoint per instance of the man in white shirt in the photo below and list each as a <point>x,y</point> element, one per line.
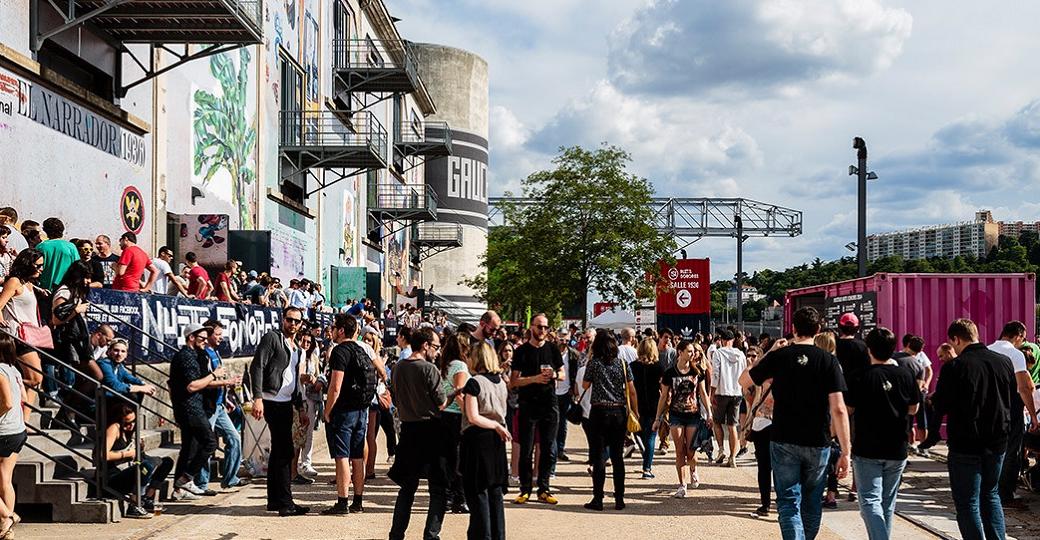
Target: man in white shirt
<point>565,392</point>
<point>1011,338</point>
<point>727,365</point>
<point>167,282</point>
<point>627,350</point>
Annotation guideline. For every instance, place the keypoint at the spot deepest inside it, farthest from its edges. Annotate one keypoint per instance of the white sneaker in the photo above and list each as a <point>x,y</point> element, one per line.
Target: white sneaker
<point>681,492</point>
<point>190,487</point>
<point>181,494</point>
<point>695,481</point>
<point>308,471</point>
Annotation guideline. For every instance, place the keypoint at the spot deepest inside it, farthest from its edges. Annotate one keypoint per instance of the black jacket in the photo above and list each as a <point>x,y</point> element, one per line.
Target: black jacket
<point>974,391</point>
<point>269,363</point>
<point>573,360</point>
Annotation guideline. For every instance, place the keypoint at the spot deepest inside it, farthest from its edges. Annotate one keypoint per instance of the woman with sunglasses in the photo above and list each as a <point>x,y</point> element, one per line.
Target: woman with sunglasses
<point>12,430</point>
<point>120,449</point>
<point>17,307</point>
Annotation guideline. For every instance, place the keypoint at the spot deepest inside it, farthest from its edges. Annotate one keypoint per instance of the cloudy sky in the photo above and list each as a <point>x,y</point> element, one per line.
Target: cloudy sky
<point>762,99</point>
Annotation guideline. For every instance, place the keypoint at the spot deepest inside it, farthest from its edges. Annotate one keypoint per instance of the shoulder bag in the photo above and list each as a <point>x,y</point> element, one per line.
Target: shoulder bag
<point>35,334</point>
<point>633,418</point>
<point>576,414</point>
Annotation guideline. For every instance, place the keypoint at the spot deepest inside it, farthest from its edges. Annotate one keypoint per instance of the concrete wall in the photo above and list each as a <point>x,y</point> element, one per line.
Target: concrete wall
<point>458,82</point>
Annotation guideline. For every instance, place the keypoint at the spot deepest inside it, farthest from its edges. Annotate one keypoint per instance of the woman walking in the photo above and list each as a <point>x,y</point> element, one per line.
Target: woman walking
<point>610,384</point>
<point>759,431</point>
<point>681,386</point>
<point>18,307</point>
<point>646,375</point>
<point>505,361</point>
<point>310,380</point>
<point>12,429</point>
<point>379,412</point>
<point>826,341</point>
<point>454,373</point>
<point>484,436</point>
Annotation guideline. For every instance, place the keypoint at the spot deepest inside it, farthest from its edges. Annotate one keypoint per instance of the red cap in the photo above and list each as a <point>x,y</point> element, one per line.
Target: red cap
<point>849,320</point>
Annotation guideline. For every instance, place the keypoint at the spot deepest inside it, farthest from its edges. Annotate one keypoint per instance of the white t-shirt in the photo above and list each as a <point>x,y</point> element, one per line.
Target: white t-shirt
<point>586,397</point>
<point>162,283</point>
<point>13,421</point>
<point>563,386</point>
<point>1008,349</point>
<point>285,393</point>
<point>922,358</point>
<point>628,353</point>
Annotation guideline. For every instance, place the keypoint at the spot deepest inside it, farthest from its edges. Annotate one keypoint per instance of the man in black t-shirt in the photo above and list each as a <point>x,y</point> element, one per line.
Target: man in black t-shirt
<point>536,366</point>
<point>346,411</point>
<point>885,396</point>
<point>807,393</point>
<point>188,379</point>
<point>850,350</point>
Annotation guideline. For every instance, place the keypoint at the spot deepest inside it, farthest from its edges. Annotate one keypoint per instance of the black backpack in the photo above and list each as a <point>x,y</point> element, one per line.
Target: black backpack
<point>359,382</point>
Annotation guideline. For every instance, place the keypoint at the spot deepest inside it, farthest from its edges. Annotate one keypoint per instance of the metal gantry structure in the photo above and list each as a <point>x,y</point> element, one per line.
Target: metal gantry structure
<point>689,219</point>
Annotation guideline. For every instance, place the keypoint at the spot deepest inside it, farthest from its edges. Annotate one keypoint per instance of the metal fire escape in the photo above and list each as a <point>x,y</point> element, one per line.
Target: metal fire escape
<point>691,218</point>
<point>432,238</point>
<point>186,29</point>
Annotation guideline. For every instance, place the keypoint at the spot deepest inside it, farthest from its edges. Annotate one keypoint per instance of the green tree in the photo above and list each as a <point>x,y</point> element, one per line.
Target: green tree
<point>224,137</point>
<point>590,229</point>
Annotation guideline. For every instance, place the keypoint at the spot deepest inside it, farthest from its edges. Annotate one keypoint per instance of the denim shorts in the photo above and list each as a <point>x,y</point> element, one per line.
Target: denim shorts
<point>683,419</point>
<point>345,434</point>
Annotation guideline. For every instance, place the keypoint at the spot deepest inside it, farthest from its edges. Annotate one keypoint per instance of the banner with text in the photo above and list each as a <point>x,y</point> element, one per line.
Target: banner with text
<point>143,317</point>
<point>685,287</point>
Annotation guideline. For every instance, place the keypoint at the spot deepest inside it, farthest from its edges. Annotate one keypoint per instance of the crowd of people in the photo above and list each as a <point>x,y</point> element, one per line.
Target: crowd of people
<point>475,409</point>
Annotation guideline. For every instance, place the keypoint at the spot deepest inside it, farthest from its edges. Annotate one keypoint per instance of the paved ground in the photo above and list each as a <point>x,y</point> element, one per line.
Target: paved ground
<point>720,509</point>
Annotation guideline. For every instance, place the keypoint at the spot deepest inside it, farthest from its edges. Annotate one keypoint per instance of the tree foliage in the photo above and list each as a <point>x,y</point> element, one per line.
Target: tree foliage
<point>590,229</point>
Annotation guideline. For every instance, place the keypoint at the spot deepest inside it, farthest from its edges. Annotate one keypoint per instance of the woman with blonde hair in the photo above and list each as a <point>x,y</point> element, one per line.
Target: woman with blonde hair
<point>646,375</point>
<point>825,341</point>
<point>485,472</point>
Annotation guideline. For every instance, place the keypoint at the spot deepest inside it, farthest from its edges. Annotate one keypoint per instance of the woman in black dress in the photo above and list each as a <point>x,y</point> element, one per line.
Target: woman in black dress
<point>484,437</point>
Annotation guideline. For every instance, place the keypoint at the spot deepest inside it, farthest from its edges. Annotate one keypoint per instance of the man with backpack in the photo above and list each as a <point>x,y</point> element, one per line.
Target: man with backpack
<point>352,386</point>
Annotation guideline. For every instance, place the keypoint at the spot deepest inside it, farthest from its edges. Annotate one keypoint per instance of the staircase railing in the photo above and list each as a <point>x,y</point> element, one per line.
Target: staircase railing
<point>100,402</point>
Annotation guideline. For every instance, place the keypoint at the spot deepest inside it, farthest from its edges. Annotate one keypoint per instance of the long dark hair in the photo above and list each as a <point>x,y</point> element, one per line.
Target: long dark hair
<point>7,349</point>
<point>74,277</point>
<point>697,366</point>
<point>456,347</point>
<point>604,347</point>
<point>24,265</point>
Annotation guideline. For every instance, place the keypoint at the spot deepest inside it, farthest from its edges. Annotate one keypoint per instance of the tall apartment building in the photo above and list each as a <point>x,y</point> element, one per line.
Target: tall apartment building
<point>974,238</point>
<point>293,134</point>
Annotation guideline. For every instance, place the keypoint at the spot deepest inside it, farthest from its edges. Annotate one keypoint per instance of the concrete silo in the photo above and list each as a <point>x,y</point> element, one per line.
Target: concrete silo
<point>458,82</point>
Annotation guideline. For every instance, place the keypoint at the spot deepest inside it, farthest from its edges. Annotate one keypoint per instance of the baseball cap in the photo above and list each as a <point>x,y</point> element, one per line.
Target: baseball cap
<point>252,273</point>
<point>192,329</point>
<point>369,330</point>
<point>849,320</point>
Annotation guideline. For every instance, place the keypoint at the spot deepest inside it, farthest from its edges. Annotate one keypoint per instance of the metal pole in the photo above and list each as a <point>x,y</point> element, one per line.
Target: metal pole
<point>740,271</point>
<point>861,237</point>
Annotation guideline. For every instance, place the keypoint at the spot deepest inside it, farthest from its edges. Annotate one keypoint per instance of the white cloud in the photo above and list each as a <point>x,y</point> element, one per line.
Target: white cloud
<point>696,46</point>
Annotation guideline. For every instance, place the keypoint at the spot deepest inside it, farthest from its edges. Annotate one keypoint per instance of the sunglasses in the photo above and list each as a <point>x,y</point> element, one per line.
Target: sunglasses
<point>293,320</point>
<point>542,326</point>
<point>38,265</point>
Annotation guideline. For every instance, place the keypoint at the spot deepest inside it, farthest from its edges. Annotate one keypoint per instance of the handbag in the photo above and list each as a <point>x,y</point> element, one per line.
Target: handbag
<point>576,414</point>
<point>633,419</point>
<point>36,335</point>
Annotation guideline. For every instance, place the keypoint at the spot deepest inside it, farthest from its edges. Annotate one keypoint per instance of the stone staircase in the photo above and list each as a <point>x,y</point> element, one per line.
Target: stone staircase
<point>48,477</point>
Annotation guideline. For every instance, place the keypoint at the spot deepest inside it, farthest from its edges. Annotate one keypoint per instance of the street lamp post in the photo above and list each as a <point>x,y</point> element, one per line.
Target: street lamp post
<point>739,281</point>
<point>861,234</point>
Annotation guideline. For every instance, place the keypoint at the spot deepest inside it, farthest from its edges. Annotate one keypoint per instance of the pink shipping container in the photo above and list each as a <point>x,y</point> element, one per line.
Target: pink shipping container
<point>925,304</point>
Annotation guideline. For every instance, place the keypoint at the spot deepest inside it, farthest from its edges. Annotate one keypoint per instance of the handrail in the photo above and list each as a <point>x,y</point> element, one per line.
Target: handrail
<point>151,337</point>
<point>100,403</point>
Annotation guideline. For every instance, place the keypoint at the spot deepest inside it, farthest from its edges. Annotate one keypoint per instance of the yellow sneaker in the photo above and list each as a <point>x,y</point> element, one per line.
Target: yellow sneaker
<point>522,498</point>
<point>547,498</point>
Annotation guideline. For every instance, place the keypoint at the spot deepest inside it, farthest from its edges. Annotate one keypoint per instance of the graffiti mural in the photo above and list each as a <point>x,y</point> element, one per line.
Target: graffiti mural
<point>224,125</point>
<point>205,235</point>
<point>310,52</point>
<point>349,230</point>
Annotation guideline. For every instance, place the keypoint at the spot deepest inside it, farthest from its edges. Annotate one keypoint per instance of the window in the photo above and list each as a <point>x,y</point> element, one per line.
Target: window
<point>294,127</point>
<point>341,21</point>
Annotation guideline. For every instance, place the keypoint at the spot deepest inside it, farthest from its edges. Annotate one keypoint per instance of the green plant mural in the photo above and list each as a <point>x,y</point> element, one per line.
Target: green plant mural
<point>224,138</point>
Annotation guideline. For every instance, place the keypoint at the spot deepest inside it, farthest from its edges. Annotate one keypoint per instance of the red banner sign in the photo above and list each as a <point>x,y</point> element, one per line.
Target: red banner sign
<point>685,288</point>
<point>602,307</point>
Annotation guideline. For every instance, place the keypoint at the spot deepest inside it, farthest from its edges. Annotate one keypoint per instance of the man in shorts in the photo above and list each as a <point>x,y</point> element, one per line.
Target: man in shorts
<point>728,363</point>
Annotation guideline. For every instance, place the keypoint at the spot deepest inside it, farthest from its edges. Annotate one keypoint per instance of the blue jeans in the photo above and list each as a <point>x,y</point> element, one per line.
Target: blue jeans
<point>225,429</point>
<point>649,438</point>
<point>563,404</point>
<point>877,482</point>
<point>798,477</point>
<point>973,481</point>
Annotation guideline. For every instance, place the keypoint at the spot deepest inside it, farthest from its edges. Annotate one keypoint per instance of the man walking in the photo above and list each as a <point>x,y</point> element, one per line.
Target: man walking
<point>666,353</point>
<point>807,405</point>
<point>536,365</point>
<point>728,363</point>
<point>565,393</point>
<point>187,381</point>
<point>975,393</point>
<point>1011,338</point>
<point>274,380</point>
<point>352,386</point>
<point>421,452</point>
<point>216,405</point>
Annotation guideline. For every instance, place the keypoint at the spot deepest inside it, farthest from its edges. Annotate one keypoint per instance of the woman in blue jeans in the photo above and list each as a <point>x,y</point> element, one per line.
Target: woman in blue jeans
<point>646,375</point>
<point>884,396</point>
